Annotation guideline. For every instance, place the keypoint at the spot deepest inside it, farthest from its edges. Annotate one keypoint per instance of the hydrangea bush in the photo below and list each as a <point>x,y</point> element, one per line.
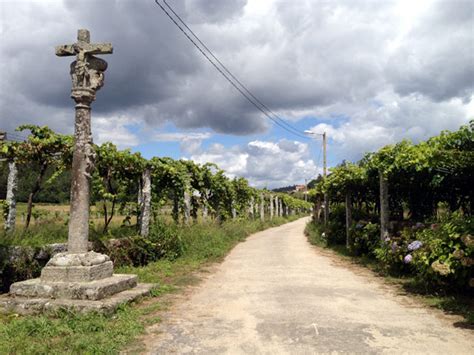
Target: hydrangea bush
<point>442,254</point>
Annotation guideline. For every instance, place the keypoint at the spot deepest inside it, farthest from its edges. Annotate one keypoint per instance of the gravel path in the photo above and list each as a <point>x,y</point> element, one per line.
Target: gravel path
<point>276,294</point>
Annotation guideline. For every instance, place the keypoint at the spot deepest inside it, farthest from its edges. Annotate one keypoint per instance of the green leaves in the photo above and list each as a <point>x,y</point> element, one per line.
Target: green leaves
<point>420,175</point>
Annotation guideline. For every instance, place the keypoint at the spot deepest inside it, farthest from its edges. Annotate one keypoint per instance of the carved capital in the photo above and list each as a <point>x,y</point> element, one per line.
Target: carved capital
<point>83,96</point>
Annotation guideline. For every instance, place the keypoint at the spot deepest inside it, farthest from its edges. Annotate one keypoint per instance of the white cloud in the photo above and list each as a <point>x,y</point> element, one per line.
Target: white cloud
<point>264,163</point>
<point>114,129</point>
<point>374,71</point>
<point>190,142</point>
<point>389,119</point>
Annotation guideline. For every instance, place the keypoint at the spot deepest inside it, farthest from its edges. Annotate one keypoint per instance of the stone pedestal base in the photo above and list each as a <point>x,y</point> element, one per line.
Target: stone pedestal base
<point>25,306</point>
<point>83,282</point>
<point>93,290</point>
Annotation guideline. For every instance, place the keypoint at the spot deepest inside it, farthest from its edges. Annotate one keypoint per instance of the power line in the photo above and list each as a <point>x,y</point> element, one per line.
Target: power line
<point>250,97</point>
<point>232,75</point>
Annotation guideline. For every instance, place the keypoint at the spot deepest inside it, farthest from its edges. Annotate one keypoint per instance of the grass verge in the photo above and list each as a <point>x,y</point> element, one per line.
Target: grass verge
<point>451,303</point>
<point>69,333</point>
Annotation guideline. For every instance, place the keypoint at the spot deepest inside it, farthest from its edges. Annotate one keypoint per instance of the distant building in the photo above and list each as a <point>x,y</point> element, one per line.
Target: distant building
<point>299,188</point>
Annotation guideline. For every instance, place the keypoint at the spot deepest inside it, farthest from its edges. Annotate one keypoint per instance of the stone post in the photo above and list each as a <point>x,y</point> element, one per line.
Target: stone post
<point>348,219</point>
<point>277,207</point>
<point>384,206</point>
<point>187,207</point>
<point>204,212</point>
<point>139,203</point>
<point>234,211</point>
<point>145,208</point>
<point>271,206</point>
<point>12,184</point>
<point>262,207</point>
<point>251,207</point>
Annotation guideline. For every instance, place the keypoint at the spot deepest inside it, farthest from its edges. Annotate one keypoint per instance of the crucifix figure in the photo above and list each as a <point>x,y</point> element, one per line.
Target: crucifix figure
<point>87,74</point>
<point>87,71</point>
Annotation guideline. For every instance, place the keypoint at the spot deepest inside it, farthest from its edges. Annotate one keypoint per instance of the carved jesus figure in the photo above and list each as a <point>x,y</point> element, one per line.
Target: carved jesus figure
<point>88,73</point>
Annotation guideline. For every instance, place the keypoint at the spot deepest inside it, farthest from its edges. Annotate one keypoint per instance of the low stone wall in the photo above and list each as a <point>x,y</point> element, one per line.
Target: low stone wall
<point>18,263</point>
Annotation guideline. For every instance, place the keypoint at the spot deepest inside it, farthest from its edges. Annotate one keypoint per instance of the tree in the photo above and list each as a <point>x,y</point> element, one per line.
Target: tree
<point>47,149</point>
<point>115,171</point>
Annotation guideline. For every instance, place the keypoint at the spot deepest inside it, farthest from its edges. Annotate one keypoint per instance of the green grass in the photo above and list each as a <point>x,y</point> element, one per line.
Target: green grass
<point>54,231</point>
<point>69,333</point>
<point>451,303</point>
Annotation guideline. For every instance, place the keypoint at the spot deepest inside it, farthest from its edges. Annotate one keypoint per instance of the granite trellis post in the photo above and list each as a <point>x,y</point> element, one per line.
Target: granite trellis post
<point>12,185</point>
<point>271,206</point>
<point>145,203</point>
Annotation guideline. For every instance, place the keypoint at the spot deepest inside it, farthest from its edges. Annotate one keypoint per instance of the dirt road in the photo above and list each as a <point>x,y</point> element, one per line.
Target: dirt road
<point>276,294</point>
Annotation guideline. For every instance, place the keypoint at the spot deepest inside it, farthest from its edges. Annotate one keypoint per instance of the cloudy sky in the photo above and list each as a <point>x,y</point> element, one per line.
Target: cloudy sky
<point>369,73</point>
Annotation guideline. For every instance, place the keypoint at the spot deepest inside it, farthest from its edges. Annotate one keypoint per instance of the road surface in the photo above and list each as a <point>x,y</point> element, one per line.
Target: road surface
<point>277,294</point>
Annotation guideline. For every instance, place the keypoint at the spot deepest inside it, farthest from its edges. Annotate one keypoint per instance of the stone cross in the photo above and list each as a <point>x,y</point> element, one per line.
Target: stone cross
<point>87,74</point>
<point>78,280</point>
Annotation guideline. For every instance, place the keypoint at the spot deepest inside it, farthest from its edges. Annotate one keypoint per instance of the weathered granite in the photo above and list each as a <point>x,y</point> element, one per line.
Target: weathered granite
<point>78,259</point>
<point>23,305</point>
<point>92,290</point>
<point>77,273</point>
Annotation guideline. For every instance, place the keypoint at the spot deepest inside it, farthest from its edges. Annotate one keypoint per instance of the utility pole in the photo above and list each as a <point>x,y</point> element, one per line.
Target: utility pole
<point>326,199</point>
<point>306,189</point>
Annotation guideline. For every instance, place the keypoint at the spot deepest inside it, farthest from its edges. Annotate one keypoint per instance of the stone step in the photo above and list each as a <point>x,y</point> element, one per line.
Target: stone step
<point>93,290</point>
<point>23,305</point>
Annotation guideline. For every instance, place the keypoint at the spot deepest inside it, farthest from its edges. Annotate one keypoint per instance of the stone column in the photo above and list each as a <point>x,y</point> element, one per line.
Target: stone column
<point>326,209</point>
<point>271,206</point>
<point>234,211</point>
<point>262,207</point>
<point>82,164</point>
<point>384,206</point>
<point>348,219</point>
<point>145,210</point>
<point>187,207</point>
<point>204,212</point>
<point>251,207</point>
<point>139,203</point>
<point>277,206</point>
<point>12,184</point>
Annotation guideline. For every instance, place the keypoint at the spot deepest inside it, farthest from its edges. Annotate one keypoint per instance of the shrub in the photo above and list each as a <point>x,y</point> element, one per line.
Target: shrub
<point>441,255</point>
<point>365,238</point>
<point>164,241</point>
<point>168,239</point>
<point>447,254</point>
<point>336,227</point>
